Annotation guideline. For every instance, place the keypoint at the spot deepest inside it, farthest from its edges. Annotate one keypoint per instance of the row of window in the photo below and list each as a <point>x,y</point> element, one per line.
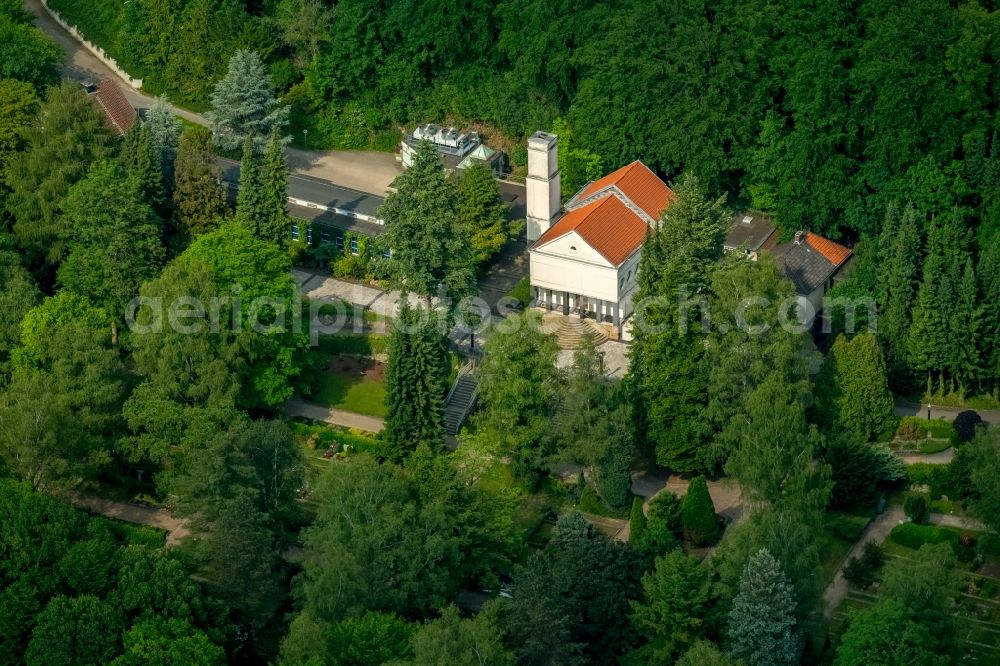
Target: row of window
<point>325,236</point>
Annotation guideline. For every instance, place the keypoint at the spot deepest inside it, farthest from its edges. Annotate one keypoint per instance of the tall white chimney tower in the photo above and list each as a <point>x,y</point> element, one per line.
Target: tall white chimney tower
<point>542,184</point>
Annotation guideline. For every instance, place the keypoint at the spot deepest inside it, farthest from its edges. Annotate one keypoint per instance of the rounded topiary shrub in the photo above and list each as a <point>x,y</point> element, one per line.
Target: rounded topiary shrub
<point>966,424</point>
<point>915,507</point>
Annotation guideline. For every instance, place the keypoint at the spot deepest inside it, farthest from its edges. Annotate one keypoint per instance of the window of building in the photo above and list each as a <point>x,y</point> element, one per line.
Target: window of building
<point>340,241</point>
<point>309,235</point>
<point>324,235</point>
<point>354,246</point>
<point>295,232</point>
<point>387,252</point>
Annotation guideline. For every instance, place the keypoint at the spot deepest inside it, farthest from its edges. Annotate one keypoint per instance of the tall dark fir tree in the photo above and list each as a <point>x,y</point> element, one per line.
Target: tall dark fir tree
<point>417,377</point>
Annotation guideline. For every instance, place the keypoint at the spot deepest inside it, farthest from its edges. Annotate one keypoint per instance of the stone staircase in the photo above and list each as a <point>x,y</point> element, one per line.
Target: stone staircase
<point>460,400</point>
<point>570,331</point>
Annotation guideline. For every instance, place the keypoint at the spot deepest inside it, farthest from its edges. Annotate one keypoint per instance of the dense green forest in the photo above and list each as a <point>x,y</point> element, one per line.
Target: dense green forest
<point>821,112</point>
<point>308,544</point>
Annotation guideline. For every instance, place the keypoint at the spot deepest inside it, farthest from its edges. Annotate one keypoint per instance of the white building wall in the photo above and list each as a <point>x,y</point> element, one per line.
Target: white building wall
<point>574,276</point>
<point>542,186</point>
<point>628,274</point>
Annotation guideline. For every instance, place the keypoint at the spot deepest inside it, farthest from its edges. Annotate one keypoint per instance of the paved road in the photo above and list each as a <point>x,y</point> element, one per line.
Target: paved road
<point>299,407</point>
<point>367,171</point>
<point>907,408</point>
<point>177,528</point>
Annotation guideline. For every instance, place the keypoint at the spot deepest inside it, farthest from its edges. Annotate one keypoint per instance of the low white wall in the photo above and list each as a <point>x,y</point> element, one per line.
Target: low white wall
<point>94,49</point>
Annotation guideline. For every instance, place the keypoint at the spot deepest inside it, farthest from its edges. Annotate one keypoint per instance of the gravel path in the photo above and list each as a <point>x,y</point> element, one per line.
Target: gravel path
<point>298,407</point>
<point>877,531</point>
<point>176,528</point>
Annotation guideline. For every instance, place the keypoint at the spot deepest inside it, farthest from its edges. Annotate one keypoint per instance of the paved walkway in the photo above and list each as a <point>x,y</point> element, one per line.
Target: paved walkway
<point>340,417</point>
<point>941,458</point>
<point>726,495</point>
<point>319,285</point>
<point>907,408</point>
<point>877,531</point>
<point>176,528</point>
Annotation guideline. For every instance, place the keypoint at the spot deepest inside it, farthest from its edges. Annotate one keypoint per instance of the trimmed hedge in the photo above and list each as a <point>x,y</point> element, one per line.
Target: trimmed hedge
<point>846,526</point>
<point>637,521</point>
<point>914,536</point>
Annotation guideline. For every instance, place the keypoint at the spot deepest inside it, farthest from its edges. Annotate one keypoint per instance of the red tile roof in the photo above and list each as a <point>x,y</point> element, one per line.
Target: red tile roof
<point>637,182</point>
<point>118,112</point>
<point>835,253</point>
<point>607,225</point>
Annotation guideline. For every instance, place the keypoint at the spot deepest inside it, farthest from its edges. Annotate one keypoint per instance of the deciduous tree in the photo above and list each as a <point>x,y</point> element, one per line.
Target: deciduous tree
<point>517,391</point>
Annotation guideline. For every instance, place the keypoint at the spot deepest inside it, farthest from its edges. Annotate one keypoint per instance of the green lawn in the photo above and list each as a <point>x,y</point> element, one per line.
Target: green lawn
<point>834,550</point>
<point>353,394</point>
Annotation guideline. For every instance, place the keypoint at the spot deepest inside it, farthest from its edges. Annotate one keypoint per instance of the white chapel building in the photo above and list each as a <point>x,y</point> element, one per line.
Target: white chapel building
<point>584,256</point>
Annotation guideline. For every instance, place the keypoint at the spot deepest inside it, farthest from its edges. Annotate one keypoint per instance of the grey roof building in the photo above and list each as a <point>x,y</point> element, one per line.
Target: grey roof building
<point>751,232</point>
<point>810,261</point>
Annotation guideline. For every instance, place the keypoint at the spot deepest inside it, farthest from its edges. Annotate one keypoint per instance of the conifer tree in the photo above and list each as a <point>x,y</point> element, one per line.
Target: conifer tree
<point>698,514</point>
<point>762,619</point>
<point>251,200</point>
<point>666,372</point>
<point>274,226</point>
<point>897,272</point>
<point>416,379</point>
<point>672,616</point>
<point>68,136</point>
<point>142,165</point>
<point>965,327</point>
<point>930,342</point>
<point>852,389</point>
<point>199,198</point>
<point>164,132</point>
<point>989,291</point>
<point>614,470</point>
<point>244,107</point>
<point>430,249</point>
<point>482,212</point>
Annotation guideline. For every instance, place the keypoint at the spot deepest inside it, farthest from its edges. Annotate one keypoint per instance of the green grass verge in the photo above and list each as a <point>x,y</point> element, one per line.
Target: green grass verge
<point>931,446</point>
<point>136,535</point>
<point>353,394</point>
<point>834,549</point>
<point>590,503</point>
<point>356,345</point>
